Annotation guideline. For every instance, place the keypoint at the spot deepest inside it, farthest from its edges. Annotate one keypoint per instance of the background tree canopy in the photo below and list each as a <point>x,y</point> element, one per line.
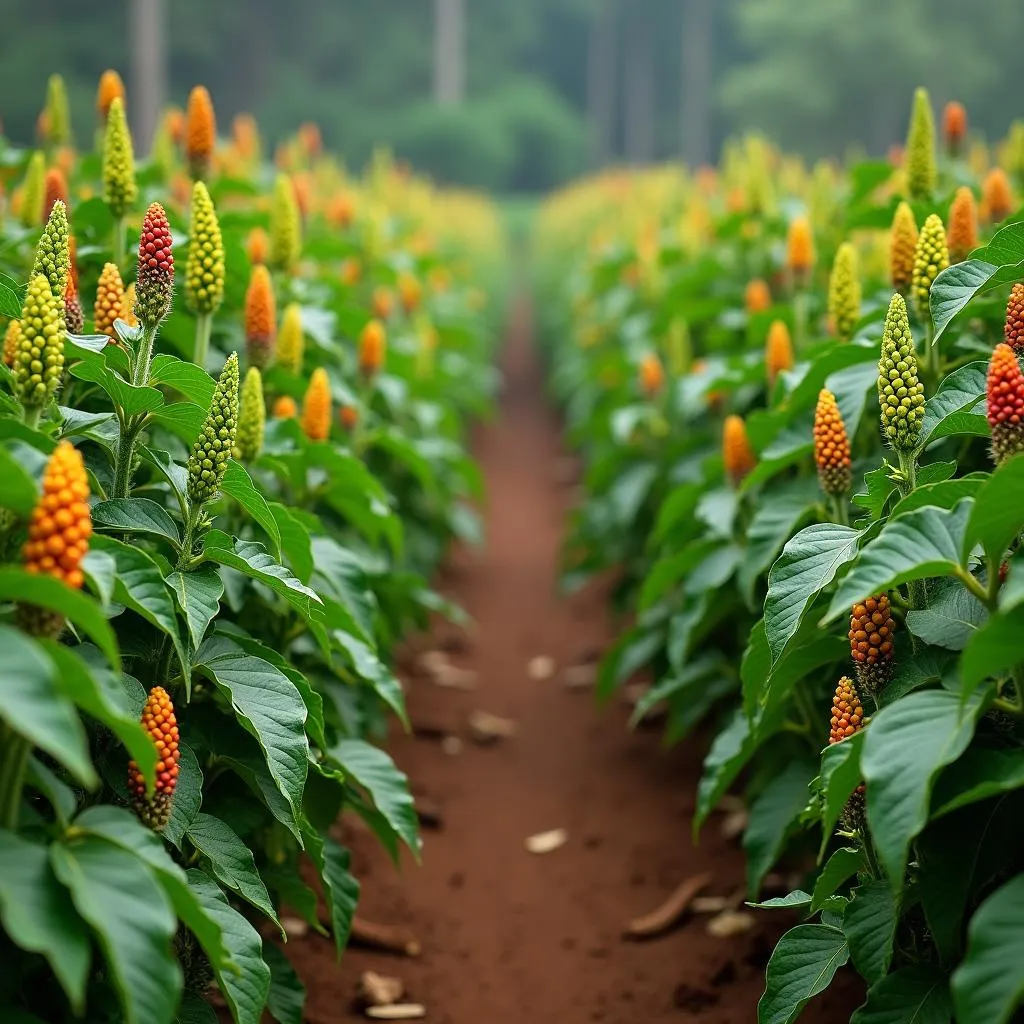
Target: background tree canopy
<point>551,86</point>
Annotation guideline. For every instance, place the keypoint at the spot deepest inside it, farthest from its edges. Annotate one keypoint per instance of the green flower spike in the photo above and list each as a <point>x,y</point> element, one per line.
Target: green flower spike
<point>213,446</point>
<point>900,392</point>
<point>39,360</point>
<point>53,257</point>
<point>930,258</point>
<point>920,149</point>
<point>204,274</point>
<point>120,190</point>
<point>285,226</point>
<point>33,191</point>
<point>58,115</point>
<point>290,341</point>
<point>844,292</point>
<point>251,417</point>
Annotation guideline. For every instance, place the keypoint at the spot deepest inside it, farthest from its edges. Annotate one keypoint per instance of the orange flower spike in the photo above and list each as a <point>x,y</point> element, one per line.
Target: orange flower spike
<point>110,301</point>
<point>161,725</point>
<point>757,297</point>
<point>996,196</point>
<point>902,245</point>
<point>12,340</point>
<point>55,187</point>
<point>351,272</point>
<point>778,351</point>
<point>74,315</point>
<point>737,455</point>
<point>372,348</point>
<point>847,712</point>
<point>954,126</point>
<point>1013,328</point>
<point>341,210</point>
<point>258,246</point>
<point>316,407</point>
<point>1005,390</point>
<point>800,250</point>
<point>652,375</point>
<point>963,225</point>
<point>871,643</point>
<point>349,416</point>
<point>831,446</point>
<point>200,132</point>
<point>110,88</point>
<point>410,291</point>
<point>383,302</point>
<point>260,317</point>
<point>284,408</point>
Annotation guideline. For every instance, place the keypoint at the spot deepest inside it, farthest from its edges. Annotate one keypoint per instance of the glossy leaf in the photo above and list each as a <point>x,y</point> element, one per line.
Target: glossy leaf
<point>802,965</point>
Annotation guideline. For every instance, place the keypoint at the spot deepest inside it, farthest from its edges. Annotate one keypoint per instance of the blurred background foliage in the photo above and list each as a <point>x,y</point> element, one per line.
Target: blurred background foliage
<point>550,87</point>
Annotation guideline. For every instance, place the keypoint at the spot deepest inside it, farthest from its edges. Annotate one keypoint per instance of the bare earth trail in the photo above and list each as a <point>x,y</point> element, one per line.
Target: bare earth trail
<point>509,936</point>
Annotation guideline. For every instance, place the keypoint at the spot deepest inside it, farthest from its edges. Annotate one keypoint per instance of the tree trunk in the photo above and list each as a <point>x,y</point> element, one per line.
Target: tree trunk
<point>601,85</point>
<point>449,51</point>
<point>695,84</point>
<point>639,133</point>
<point>147,27</point>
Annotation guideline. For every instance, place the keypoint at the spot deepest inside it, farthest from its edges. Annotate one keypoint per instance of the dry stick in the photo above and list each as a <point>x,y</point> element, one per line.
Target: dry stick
<point>384,937</point>
<point>660,920</point>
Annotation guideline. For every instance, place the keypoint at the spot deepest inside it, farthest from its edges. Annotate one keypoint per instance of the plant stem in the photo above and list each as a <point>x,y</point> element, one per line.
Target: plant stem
<point>119,247</point>
<point>800,311</point>
<point>143,357</point>
<point>839,509</point>
<point>16,751</point>
<point>32,414</point>
<point>908,473</point>
<point>204,321</point>
<point>869,853</point>
<point>934,370</point>
<point>123,460</point>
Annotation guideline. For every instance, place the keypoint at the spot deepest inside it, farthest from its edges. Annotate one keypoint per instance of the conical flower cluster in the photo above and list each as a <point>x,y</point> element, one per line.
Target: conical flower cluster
<point>996,196</point>
<point>39,361</point>
<point>778,351</point>
<point>316,407</point>
<point>161,725</point>
<point>58,112</point>
<point>110,88</point>
<point>844,292</point>
<point>831,446</point>
<point>1005,391</point>
<point>920,149</point>
<point>200,132</point>
<point>204,275</point>
<point>800,250</point>
<point>373,348</point>
<point>931,257</point>
<point>285,226</point>
<point>120,190</point>
<point>53,250</point>
<point>900,392</point>
<point>58,534</point>
<point>284,408</point>
<point>55,189</point>
<point>251,417</point>
<point>12,339</point>
<point>128,316</point>
<point>154,284</point>
<point>954,126</point>
<point>74,316</point>
<point>257,246</point>
<point>1013,328</point>
<point>410,292</point>
<point>260,317</point>
<point>33,191</point>
<point>349,416</point>
<point>737,455</point>
<point>290,341</point>
<point>757,297</point>
<point>652,376</point>
<point>216,440</point>
<point>871,644</point>
<point>847,712</point>
<point>902,244</point>
<point>110,301</point>
<point>963,225</point>
<point>383,302</point>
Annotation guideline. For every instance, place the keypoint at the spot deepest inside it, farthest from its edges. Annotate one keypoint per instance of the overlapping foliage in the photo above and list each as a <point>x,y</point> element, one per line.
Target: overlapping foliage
<point>817,546</point>
<point>200,593</point>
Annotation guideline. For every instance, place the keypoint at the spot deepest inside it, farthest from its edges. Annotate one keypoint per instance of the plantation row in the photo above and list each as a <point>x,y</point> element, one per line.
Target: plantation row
<point>231,422</point>
<point>799,399</point>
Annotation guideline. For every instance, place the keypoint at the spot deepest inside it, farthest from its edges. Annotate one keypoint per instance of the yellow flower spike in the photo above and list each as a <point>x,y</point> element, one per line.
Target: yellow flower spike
<point>251,417</point>
<point>316,407</point>
<point>128,316</point>
<point>120,190</point>
<point>33,191</point>
<point>12,338</point>
<point>55,187</point>
<point>290,341</point>
<point>39,361</point>
<point>997,201</point>
<point>920,149</point>
<point>902,243</point>
<point>963,225</point>
<point>844,293</point>
<point>831,446</point>
<point>757,297</point>
<point>110,301</point>
<point>778,351</point>
<point>285,226</point>
<point>930,258</point>
<point>204,273</point>
<point>200,132</point>
<point>110,88</point>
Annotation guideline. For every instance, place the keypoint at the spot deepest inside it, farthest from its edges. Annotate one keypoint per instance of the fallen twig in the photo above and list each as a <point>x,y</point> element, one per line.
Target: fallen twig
<point>661,920</point>
<point>385,937</point>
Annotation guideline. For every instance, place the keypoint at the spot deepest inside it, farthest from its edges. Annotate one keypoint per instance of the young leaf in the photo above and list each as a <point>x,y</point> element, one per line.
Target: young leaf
<point>840,776</point>
<point>960,392</point>
<point>198,593</point>
<point>802,965</point>
<point>191,380</point>
<point>843,864</point>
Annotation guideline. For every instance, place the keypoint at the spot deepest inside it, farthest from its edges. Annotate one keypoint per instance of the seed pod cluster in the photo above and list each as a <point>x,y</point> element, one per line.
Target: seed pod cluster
<point>930,258</point>
<point>260,317</point>
<point>737,455</point>
<point>871,642</point>
<point>902,245</point>
<point>154,284</point>
<point>831,446</point>
<point>212,448</point>
<point>161,725</point>
<point>1005,389</point>
<point>844,292</point>
<point>778,351</point>
<point>290,340</point>
<point>900,392</point>
<point>316,407</point>
<point>39,361</point>
<point>847,712</point>
<point>251,417</point>
<point>120,190</point>
<point>920,150</point>
<point>963,225</point>
<point>204,275</point>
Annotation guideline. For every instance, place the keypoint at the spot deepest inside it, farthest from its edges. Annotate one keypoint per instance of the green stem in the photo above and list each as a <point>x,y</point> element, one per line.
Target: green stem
<point>971,583</point>
<point>908,472</point>
<point>839,509</point>
<point>123,460</point>
<point>32,414</point>
<point>204,321</point>
<point>800,316</point>
<point>16,751</point>
<point>191,521</point>
<point>119,246</point>
<point>869,853</point>
<point>934,370</point>
<point>143,358</point>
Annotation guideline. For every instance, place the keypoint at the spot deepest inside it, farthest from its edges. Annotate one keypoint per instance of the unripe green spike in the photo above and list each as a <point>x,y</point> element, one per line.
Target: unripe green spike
<point>920,149</point>
<point>213,446</point>
<point>285,226</point>
<point>900,392</point>
<point>251,417</point>
<point>33,191</point>
<point>53,256</point>
<point>120,190</point>
<point>204,275</point>
<point>844,292</point>
<point>39,360</point>
<point>58,115</point>
<point>931,257</point>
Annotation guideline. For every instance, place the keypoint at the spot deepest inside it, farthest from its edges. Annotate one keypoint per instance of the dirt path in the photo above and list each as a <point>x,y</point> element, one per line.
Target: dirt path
<point>509,936</point>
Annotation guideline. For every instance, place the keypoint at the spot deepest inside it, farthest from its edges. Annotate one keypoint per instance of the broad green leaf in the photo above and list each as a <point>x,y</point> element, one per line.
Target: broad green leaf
<point>246,988</point>
<point>238,484</point>
<point>803,964</point>
<point>195,1009</point>
<point>918,545</point>
<point>725,759</point>
<point>32,704</point>
<point>796,900</point>
<point>287,996</point>
<point>198,592</point>
<point>840,776</point>
<point>912,995</point>
<point>18,585</point>
<point>981,773</point>
<point>61,796</point>
<point>879,485</point>
<point>943,494</point>
<point>130,399</point>
<point>951,618</point>
<point>132,918</point>
<point>295,542</point>
<point>993,649</point>
<point>808,564</point>
<point>372,769</point>
<point>954,287</point>
<point>188,796</point>
<point>37,914</point>
<point>375,672</point>
<point>989,984</point>
<point>870,927</point>
<point>231,861</point>
<point>19,491</point>
<point>183,419</point>
<point>341,887</point>
<point>251,558</point>
<point>998,515</point>
<point>842,865</point>
<point>269,708</point>
<point>191,380</point>
<point>772,816</point>
<point>799,661</point>
<point>100,571</point>
<point>693,675</point>
<point>174,474</point>
<point>958,393</point>
<point>908,743</point>
<point>137,515</point>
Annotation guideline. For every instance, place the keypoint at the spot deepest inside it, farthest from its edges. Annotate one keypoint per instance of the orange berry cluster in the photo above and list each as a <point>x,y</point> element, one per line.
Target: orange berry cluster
<point>847,712</point>
<point>996,196</point>
<point>831,446</point>
<point>260,317</point>
<point>800,250</point>
<point>737,455</point>
<point>200,132</point>
<point>954,125</point>
<point>778,351</point>
<point>316,406</point>
<point>372,347</point>
<point>1013,328</point>
<point>161,726</point>
<point>963,225</point>
<point>757,298</point>
<point>652,376</point>
<point>110,301</point>
<point>1005,403</point>
<point>871,644</point>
